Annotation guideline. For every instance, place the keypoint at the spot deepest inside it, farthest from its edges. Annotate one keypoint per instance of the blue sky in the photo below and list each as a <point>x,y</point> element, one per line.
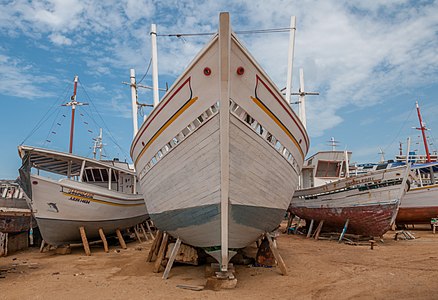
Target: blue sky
<point>369,60</point>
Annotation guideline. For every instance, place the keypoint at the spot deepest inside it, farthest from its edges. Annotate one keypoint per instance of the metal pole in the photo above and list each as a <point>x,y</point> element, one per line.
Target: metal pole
<point>134,102</point>
<point>290,57</point>
<point>154,64</point>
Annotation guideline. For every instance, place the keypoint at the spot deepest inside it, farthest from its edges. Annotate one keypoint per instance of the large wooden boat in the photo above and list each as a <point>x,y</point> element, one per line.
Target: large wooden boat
<point>218,159</point>
<point>369,201</point>
<point>90,193</point>
<point>15,214</point>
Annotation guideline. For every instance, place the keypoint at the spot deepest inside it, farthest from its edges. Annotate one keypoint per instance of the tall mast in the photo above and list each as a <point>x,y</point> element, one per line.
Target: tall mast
<point>73,103</point>
<point>154,64</point>
<point>134,102</point>
<point>290,57</point>
<point>423,132</point>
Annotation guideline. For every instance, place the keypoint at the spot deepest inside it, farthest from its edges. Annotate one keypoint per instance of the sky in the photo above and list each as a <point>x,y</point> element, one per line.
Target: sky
<point>369,60</point>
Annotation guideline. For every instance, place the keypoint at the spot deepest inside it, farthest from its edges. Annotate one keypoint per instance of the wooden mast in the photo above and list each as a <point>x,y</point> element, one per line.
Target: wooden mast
<point>224,129</point>
<point>423,132</point>
<point>73,109</point>
<point>73,103</point>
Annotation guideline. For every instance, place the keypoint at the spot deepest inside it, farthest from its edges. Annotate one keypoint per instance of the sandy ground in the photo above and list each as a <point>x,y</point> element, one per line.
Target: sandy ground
<point>321,269</point>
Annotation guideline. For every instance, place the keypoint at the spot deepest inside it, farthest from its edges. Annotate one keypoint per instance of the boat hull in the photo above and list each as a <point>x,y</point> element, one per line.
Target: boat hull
<point>218,158</point>
<point>419,206</point>
<point>370,202</point>
<point>369,220</point>
<point>61,207</point>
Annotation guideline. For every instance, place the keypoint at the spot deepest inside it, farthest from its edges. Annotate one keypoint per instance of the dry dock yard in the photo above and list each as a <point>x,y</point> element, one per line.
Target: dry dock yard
<point>403,269</point>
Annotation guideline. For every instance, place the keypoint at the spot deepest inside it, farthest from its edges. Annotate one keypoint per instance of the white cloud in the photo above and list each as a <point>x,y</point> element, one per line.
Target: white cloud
<point>59,39</point>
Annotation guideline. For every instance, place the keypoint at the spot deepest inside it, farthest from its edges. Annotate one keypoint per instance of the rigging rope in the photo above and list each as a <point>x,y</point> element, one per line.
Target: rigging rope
<point>103,121</point>
<point>147,70</point>
<point>257,31</point>
<point>44,118</point>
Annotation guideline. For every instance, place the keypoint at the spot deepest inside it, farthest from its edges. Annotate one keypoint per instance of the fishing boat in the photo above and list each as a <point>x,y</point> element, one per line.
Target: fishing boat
<point>420,204</point>
<point>68,191</point>
<point>15,214</point>
<point>218,158</point>
<point>369,202</point>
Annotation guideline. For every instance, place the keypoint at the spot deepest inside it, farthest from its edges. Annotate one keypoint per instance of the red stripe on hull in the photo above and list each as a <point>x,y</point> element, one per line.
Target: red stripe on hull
<point>416,215</point>
<point>372,220</point>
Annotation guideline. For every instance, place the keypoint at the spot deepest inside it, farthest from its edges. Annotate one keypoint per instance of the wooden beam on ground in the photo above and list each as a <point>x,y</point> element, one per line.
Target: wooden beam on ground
<point>161,253</point>
<point>277,255</point>
<point>318,229</point>
<point>172,258</point>
<point>103,238</point>
<point>121,240</point>
<point>309,234</point>
<point>85,241</point>
<point>154,246</point>
<point>344,230</point>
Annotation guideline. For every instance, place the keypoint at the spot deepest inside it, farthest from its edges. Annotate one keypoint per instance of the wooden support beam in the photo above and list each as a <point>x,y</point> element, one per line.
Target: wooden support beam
<point>172,258</point>
<point>103,238</point>
<point>297,225</point>
<point>344,230</point>
<point>161,253</point>
<point>309,234</point>
<point>277,255</point>
<point>160,239</point>
<point>136,234</point>
<point>43,243</point>
<point>318,229</point>
<point>153,247</point>
<point>84,241</point>
<point>149,229</point>
<point>144,232</point>
<point>121,240</point>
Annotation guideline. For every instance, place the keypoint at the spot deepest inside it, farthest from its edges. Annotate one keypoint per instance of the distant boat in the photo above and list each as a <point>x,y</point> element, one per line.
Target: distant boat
<point>69,191</point>
<point>420,204</point>
<point>218,159</point>
<point>369,201</point>
<point>15,214</point>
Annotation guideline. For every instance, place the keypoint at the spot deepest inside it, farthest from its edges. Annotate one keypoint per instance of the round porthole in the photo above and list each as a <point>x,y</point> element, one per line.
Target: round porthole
<point>207,71</point>
<point>240,71</point>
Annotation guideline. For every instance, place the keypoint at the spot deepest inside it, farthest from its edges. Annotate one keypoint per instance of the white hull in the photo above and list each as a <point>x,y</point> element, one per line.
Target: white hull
<point>206,148</point>
<point>61,207</point>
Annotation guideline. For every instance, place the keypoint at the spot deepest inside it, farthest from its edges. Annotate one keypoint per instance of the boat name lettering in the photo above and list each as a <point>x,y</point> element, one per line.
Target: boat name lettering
<point>79,200</point>
<point>80,193</point>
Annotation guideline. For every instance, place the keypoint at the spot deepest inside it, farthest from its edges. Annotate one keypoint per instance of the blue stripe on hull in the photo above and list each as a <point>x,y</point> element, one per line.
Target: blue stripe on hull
<point>62,232</point>
<point>200,226</point>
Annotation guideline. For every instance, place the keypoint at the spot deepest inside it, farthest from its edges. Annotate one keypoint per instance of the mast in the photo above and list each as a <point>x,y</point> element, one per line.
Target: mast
<point>154,64</point>
<point>73,109</point>
<point>290,57</point>
<point>134,102</point>
<point>224,130</point>
<point>423,131</point>
<point>73,103</point>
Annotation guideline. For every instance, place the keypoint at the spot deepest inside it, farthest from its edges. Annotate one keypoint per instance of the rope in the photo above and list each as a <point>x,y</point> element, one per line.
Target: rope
<point>147,70</point>
<point>44,118</point>
<point>257,31</point>
<point>103,121</point>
